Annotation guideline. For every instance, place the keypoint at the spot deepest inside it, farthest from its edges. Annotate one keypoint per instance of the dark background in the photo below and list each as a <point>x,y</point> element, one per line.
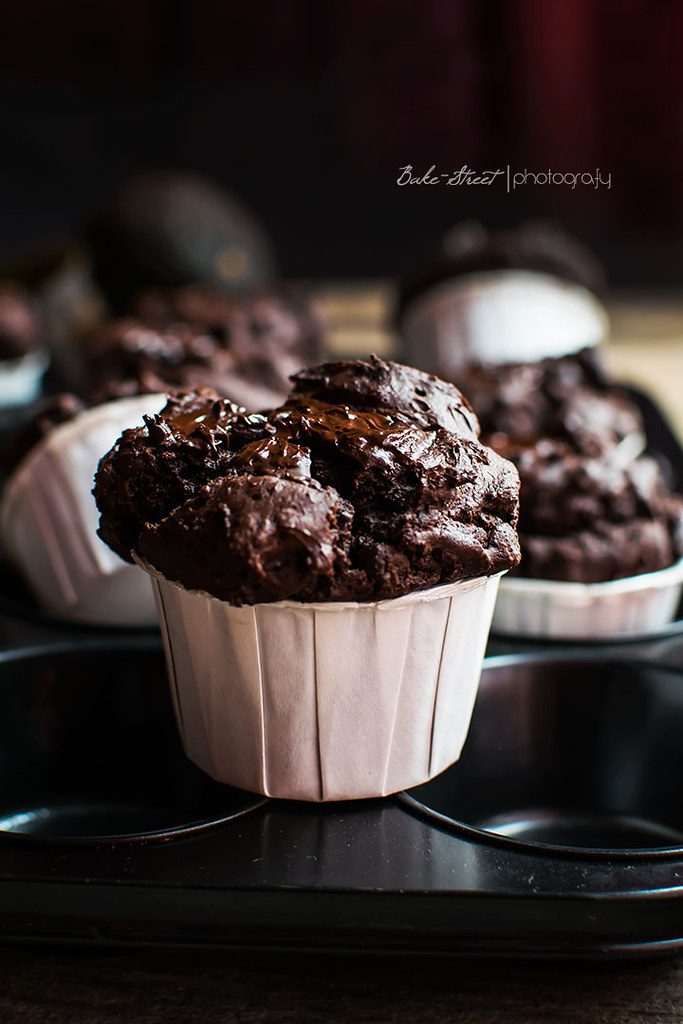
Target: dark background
<point>308,108</point>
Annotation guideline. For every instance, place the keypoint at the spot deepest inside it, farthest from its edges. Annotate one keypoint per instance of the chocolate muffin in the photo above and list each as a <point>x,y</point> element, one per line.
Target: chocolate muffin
<point>569,399</point>
<point>46,514</point>
<point>195,304</point>
<point>161,228</point>
<point>128,357</point>
<point>286,310</point>
<point>352,490</point>
<point>589,519</point>
<point>609,551</point>
<point>591,510</point>
<point>535,246</point>
<point>193,337</point>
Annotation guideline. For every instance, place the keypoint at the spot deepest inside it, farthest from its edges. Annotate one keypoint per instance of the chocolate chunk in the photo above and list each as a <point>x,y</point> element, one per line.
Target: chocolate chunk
<point>249,539</point>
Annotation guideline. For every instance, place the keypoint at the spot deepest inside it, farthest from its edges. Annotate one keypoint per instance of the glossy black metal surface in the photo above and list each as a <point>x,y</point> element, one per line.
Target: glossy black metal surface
<point>92,727</point>
<point>571,752</point>
<point>89,748</point>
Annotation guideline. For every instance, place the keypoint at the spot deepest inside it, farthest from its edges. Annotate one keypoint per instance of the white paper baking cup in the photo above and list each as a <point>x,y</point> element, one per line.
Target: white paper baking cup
<point>21,379</point>
<point>325,701</point>
<point>616,609</point>
<point>49,519</point>
<point>502,316</point>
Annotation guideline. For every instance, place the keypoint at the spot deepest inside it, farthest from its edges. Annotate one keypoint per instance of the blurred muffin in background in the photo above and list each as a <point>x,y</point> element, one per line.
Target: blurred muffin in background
<point>165,229</point>
<point>48,518</point>
<point>23,355</point>
<point>246,349</point>
<point>602,545</point>
<point>569,399</point>
<point>590,519</point>
<point>502,297</point>
<point>593,508</point>
<point>515,320</point>
<point>45,416</point>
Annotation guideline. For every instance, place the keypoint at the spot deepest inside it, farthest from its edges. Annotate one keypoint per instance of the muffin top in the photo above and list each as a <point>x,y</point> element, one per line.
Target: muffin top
<point>194,337</point>
<point>428,401</point>
<point>606,551</point>
<point>369,482</point>
<point>566,491</point>
<point>567,399</point>
<point>593,518</point>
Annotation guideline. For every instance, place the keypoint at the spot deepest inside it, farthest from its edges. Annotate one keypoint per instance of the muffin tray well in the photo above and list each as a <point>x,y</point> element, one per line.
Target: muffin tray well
<point>558,833</point>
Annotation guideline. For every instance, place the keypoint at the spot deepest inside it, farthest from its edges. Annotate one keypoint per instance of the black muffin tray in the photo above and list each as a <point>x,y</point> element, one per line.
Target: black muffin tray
<point>558,833</point>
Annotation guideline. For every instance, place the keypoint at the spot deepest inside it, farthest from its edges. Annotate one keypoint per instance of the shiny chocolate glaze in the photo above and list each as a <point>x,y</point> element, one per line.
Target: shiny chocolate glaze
<point>154,468</point>
<point>382,386</point>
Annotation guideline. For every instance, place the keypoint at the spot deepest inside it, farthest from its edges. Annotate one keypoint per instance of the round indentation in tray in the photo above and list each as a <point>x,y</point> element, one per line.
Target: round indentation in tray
<point>89,749</point>
<point>569,753</point>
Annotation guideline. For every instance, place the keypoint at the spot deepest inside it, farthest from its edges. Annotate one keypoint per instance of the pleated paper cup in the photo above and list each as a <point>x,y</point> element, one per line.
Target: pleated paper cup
<point>49,519</point>
<point>322,701</point>
<point>503,316</point>
<point>617,609</point>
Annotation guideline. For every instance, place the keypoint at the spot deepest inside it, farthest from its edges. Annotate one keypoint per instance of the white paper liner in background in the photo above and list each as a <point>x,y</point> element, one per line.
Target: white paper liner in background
<point>326,701</point>
<point>502,316</point>
<point>21,379</point>
<point>634,606</point>
<point>49,519</point>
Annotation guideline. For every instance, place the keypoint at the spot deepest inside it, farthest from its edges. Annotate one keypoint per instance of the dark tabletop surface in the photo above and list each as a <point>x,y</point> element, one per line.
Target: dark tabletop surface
<point>44,986</point>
